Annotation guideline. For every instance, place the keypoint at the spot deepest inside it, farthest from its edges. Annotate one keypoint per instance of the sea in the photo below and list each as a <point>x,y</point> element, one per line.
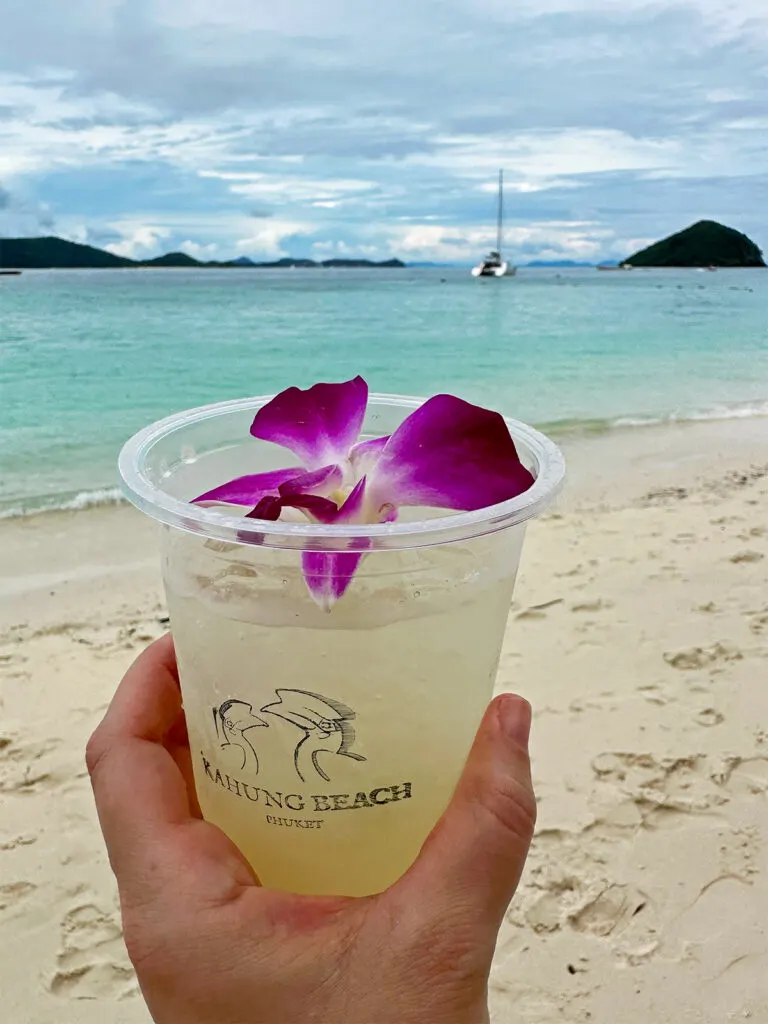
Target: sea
<point>89,357</point>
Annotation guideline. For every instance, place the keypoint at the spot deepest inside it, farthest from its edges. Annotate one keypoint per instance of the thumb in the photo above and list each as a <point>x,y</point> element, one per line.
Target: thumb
<point>476,853</point>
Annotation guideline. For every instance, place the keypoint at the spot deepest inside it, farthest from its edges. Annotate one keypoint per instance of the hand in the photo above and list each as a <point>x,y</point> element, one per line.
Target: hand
<point>211,947</point>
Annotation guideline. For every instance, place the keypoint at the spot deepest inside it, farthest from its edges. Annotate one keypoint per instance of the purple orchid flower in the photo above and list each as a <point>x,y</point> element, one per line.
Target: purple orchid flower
<point>447,454</point>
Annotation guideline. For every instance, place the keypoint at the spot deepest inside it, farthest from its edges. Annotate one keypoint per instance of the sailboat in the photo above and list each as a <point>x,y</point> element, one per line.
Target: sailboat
<point>494,265</point>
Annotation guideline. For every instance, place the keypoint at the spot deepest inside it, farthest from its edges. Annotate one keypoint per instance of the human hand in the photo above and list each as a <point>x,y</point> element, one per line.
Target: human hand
<point>212,947</point>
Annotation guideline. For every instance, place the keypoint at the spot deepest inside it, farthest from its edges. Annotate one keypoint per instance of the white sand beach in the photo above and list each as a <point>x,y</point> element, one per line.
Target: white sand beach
<point>639,633</point>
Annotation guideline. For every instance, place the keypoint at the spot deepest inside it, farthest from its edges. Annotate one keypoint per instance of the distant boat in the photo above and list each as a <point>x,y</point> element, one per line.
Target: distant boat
<point>10,273</point>
<point>494,265</point>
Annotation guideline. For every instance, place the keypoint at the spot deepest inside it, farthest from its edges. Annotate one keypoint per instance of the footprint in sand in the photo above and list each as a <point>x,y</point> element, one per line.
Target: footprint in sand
<point>746,557</point>
<point>755,531</point>
<point>592,606</point>
<point>536,611</point>
<point>17,841</point>
<point>745,776</point>
<point>702,657</point>
<point>545,914</point>
<point>10,659</point>
<point>616,905</point>
<point>92,962</point>
<point>577,570</point>
<point>664,496</point>
<point>58,629</point>
<point>137,633</point>
<point>20,767</point>
<point>10,666</point>
<point>663,790</point>
<point>709,717</point>
<point>567,889</point>
<point>13,893</point>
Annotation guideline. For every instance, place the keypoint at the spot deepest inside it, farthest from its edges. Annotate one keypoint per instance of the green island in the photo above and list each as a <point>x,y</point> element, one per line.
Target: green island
<point>704,244</point>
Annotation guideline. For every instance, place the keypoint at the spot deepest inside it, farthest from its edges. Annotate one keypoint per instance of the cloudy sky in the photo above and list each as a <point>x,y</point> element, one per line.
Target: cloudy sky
<point>376,127</point>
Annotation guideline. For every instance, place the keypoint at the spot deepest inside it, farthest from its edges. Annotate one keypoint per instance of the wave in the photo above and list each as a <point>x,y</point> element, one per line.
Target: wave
<point>596,426</point>
<point>65,503</point>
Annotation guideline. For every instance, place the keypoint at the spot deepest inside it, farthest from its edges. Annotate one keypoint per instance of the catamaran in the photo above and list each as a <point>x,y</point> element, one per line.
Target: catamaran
<point>494,265</point>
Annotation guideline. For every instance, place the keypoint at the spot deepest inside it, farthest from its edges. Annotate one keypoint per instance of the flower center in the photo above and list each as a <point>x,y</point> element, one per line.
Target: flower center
<point>340,495</point>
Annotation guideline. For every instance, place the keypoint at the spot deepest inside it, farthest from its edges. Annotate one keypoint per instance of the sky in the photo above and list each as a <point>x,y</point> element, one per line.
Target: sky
<point>376,128</point>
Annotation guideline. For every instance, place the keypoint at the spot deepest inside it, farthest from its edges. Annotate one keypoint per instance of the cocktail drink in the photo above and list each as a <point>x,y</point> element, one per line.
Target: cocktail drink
<point>328,721</point>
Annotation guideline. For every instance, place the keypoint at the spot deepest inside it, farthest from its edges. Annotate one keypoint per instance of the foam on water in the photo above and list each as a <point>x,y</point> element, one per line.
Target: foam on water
<point>738,411</point>
<point>64,503</point>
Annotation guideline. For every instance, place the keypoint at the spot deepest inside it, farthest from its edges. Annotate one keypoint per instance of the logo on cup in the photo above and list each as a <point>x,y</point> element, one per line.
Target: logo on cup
<point>325,726</point>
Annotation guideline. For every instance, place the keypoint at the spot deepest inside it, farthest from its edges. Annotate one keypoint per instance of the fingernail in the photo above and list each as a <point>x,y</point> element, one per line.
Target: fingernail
<point>515,718</point>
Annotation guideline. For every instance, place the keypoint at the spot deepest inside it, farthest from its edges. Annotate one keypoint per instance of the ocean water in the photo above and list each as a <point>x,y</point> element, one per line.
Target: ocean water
<point>89,357</point>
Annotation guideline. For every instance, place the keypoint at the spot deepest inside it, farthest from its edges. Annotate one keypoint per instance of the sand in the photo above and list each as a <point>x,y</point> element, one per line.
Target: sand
<point>640,634</point>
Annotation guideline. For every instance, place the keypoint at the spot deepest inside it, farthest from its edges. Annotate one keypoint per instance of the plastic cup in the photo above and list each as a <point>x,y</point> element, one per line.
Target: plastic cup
<point>326,744</point>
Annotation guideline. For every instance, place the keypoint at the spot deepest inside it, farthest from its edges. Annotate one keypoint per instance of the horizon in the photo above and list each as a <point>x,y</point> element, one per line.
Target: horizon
<point>288,257</point>
<point>143,129</point>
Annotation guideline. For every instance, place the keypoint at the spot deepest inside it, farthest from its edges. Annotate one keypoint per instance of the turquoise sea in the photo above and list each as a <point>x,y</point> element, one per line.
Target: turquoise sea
<point>88,357</point>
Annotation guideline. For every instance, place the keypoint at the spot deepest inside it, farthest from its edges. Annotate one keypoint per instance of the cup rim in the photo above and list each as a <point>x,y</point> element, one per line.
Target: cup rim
<point>549,472</point>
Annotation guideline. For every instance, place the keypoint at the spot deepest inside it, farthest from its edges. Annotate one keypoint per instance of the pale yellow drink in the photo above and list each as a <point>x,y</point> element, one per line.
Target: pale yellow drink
<point>327,745</point>
<point>327,742</point>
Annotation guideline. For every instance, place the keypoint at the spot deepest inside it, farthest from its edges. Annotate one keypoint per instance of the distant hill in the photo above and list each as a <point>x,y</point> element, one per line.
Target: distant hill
<point>286,261</point>
<point>172,259</point>
<point>394,264</point>
<point>56,253</point>
<point>303,264</point>
<point>704,244</point>
<point>34,253</point>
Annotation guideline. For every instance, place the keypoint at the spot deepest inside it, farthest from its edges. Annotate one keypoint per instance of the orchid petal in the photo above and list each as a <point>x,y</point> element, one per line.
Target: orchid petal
<point>322,482</point>
<point>365,455</point>
<point>268,509</point>
<point>249,490</point>
<point>322,509</point>
<point>328,574</point>
<point>319,424</point>
<point>448,454</point>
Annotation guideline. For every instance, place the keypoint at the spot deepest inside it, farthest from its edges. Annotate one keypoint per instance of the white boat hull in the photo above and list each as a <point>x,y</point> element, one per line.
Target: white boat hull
<point>502,270</point>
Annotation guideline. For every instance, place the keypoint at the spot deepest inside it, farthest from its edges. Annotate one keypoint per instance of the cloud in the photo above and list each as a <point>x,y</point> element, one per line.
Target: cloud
<point>270,241</point>
<point>139,242</point>
<point>191,124</point>
<point>549,239</point>
<point>197,251</point>
<point>288,189</point>
<point>21,214</point>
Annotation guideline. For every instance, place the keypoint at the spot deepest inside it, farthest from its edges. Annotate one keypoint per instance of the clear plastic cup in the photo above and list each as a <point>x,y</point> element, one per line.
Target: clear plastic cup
<point>326,744</point>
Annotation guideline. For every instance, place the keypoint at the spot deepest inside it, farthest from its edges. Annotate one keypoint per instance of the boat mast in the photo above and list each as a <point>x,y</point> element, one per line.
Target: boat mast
<point>501,213</point>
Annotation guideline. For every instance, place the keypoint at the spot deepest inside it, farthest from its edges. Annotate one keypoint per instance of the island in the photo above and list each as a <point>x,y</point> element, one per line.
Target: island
<point>704,244</point>
<point>59,254</point>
